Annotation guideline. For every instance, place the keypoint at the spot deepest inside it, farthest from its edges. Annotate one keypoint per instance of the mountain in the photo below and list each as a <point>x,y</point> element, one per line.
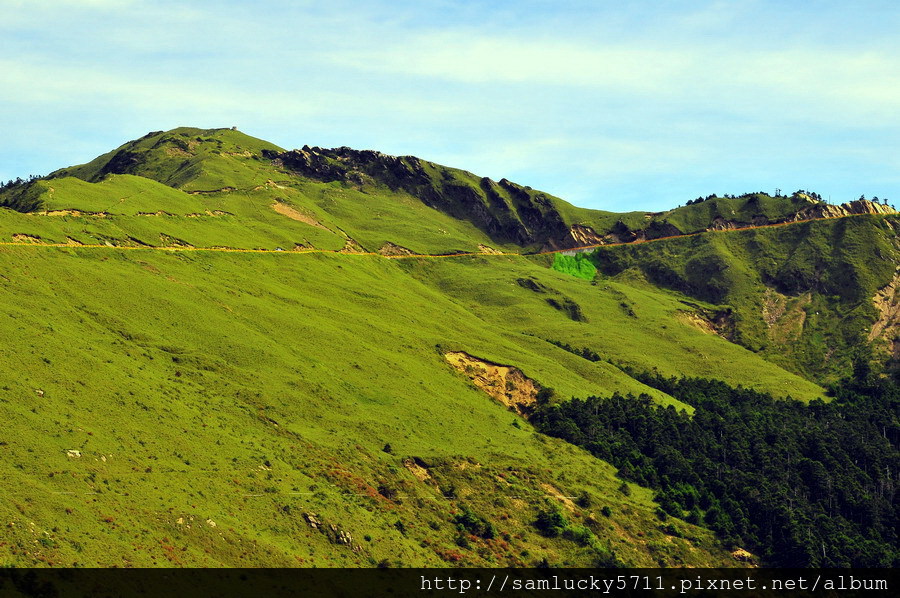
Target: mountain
<point>220,161</point>
<point>805,296</point>
<point>801,296</point>
<point>225,353</point>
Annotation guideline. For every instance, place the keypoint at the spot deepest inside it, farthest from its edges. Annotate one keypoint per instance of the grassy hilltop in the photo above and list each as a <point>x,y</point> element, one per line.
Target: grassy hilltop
<point>170,401</point>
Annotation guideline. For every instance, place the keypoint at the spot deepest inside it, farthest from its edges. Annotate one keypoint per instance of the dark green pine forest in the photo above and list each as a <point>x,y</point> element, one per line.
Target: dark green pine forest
<point>804,485</point>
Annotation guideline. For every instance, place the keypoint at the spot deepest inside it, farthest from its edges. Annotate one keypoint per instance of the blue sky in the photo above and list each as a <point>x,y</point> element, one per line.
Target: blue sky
<point>638,107</point>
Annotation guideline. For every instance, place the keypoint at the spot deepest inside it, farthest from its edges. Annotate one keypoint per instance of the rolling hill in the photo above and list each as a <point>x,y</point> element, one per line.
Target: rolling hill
<point>222,353</point>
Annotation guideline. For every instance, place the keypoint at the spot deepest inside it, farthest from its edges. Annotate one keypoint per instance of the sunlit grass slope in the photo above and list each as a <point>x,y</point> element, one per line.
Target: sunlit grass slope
<point>802,294</point>
<point>188,158</point>
<point>131,210</point>
<point>277,409</point>
<point>216,400</point>
<point>626,325</point>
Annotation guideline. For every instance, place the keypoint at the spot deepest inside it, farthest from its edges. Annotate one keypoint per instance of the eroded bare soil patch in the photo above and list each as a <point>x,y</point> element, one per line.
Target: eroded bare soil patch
<point>887,302</point>
<point>506,384</point>
<point>294,214</point>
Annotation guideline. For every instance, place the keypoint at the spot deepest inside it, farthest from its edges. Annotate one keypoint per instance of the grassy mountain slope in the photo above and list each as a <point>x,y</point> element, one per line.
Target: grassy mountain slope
<point>802,295</point>
<point>216,408</point>
<point>634,327</point>
<point>187,158</point>
<point>131,210</point>
<point>216,399</point>
<point>383,199</point>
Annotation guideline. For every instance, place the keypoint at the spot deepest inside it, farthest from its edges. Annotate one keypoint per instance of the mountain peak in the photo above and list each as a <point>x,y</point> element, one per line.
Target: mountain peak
<point>185,157</point>
<point>207,161</point>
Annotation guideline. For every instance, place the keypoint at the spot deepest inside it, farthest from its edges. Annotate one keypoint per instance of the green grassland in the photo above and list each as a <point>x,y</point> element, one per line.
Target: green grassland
<point>239,389</point>
<point>219,399</point>
<point>746,210</point>
<point>187,158</point>
<point>801,294</point>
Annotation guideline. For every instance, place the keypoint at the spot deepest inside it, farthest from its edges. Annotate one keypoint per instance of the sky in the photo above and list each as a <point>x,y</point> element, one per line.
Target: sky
<point>609,105</point>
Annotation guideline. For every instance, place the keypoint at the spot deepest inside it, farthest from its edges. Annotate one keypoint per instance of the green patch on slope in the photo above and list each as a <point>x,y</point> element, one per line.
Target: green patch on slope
<point>197,408</point>
<point>577,265</point>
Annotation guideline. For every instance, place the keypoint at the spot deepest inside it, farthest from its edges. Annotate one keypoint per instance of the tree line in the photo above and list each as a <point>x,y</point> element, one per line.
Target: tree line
<point>19,182</point>
<point>801,485</point>
<point>14,195</point>
<point>798,193</point>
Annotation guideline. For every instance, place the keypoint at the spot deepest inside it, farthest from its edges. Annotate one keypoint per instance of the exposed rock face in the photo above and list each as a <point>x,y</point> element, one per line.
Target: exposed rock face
<point>506,384</point>
<point>584,236</point>
<point>720,223</point>
<point>814,211</point>
<point>507,212</point>
<point>863,206</point>
<point>886,327</point>
<point>859,206</point>
<point>715,321</point>
<point>391,249</point>
<point>657,229</point>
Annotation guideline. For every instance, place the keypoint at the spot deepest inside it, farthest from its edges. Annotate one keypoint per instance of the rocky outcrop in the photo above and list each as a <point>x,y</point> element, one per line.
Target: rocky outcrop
<point>506,384</point>
<point>583,236</point>
<point>859,206</point>
<point>886,327</point>
<point>815,211</point>
<point>506,211</point>
<point>511,213</point>
<point>389,249</point>
<point>863,206</point>
<point>656,229</point>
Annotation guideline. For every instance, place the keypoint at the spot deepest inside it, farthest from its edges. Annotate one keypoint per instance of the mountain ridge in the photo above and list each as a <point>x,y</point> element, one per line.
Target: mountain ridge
<point>213,364</point>
<point>209,160</point>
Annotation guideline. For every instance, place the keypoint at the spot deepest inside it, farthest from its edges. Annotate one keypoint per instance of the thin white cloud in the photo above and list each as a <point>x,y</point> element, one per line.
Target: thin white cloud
<point>607,96</point>
<point>31,83</point>
<point>470,57</point>
<point>19,11</point>
<point>802,83</point>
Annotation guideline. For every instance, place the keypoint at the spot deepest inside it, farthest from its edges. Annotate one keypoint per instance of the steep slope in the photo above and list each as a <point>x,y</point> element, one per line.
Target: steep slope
<point>802,295</point>
<point>505,211</point>
<point>230,409</point>
<point>175,401</point>
<point>383,201</point>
